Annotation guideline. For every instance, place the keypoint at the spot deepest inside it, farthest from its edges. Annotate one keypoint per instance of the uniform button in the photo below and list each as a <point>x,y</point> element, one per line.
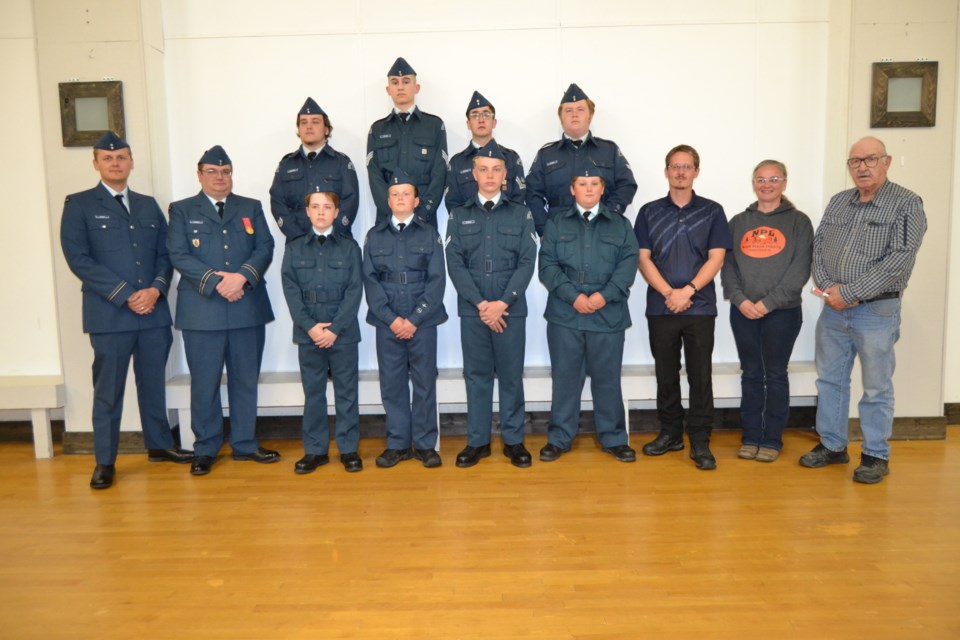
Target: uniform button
<point>195,231</point>
<point>134,244</point>
<point>103,226</point>
<point>226,246</point>
<point>132,227</point>
<point>227,263</point>
<point>139,281</point>
<point>224,232</point>
<point>138,263</point>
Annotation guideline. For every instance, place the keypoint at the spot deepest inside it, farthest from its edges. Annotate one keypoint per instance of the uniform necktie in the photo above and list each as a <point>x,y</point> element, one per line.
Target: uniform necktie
<point>401,226</point>
<point>321,240</point>
<point>311,155</point>
<point>586,215</point>
<point>220,210</point>
<point>488,205</point>
<point>119,198</point>
<point>577,143</point>
<point>404,116</point>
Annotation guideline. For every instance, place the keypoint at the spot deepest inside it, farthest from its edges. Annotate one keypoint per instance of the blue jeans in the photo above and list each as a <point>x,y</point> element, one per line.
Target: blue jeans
<point>869,330</point>
<point>764,347</point>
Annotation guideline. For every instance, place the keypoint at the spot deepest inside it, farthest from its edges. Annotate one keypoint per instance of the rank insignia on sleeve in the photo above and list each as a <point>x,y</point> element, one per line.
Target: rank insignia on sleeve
<point>248,226</point>
<point>196,243</point>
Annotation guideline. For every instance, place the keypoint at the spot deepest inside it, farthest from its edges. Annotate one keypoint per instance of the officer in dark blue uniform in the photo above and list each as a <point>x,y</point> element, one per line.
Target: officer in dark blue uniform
<point>407,141</point>
<point>548,183</point>
<point>114,240</point>
<point>404,279</point>
<point>323,288</point>
<point>461,185</point>
<point>221,245</point>
<point>588,263</point>
<point>491,253</point>
<point>315,165</point>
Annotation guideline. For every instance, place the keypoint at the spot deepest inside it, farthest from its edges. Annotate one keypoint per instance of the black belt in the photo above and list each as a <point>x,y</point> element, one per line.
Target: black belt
<point>487,265</point>
<point>584,277</point>
<point>890,295</point>
<point>403,277</point>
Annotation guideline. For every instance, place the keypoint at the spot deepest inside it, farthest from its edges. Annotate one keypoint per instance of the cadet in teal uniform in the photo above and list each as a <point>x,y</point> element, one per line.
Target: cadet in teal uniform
<point>461,185</point>
<point>404,280</point>
<point>322,286</point>
<point>407,141</point>
<point>588,263</point>
<point>114,240</point>
<point>548,183</point>
<point>221,245</point>
<point>314,165</point>
<point>491,254</point>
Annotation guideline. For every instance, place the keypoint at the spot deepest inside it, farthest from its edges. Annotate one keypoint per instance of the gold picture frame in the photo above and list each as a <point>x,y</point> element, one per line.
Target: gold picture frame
<point>89,109</point>
<point>904,94</point>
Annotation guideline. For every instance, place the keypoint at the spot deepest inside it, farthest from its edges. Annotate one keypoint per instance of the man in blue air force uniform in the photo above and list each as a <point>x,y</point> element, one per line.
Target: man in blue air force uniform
<point>404,279</point>
<point>114,240</point>
<point>408,141</point>
<point>461,185</point>
<point>588,263</point>
<point>491,254</point>
<point>221,245</point>
<point>548,183</point>
<point>314,166</point>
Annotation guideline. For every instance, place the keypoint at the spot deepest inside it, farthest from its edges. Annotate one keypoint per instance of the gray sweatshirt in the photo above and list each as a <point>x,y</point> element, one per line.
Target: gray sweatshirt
<point>771,257</point>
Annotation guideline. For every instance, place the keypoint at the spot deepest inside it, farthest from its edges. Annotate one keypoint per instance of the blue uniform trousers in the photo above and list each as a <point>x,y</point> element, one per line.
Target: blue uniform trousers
<point>485,354</point>
<point>602,353</point>
<point>111,361</point>
<point>399,362</point>
<point>241,350</point>
<point>342,361</point>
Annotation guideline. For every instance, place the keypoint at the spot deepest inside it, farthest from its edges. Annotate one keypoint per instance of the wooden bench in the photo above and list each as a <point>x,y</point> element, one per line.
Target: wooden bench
<point>283,389</point>
<point>39,394</point>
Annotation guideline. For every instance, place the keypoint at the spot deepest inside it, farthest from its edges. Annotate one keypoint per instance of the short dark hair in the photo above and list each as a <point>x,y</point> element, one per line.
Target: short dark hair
<point>683,148</point>
<point>326,123</point>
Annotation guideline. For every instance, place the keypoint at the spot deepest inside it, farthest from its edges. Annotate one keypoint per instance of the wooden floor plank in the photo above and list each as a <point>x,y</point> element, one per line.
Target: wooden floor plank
<point>583,548</point>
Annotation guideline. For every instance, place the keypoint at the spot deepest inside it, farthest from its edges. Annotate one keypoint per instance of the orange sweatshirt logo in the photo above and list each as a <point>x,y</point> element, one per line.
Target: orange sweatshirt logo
<point>762,242</point>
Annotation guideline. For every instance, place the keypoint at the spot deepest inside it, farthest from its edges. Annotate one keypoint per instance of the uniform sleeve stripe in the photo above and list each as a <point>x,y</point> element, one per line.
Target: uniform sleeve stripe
<point>252,270</point>
<point>203,280</point>
<point>117,290</point>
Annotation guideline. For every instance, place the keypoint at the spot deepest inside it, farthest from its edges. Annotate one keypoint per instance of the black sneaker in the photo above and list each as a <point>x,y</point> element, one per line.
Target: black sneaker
<point>871,469</point>
<point>820,456</point>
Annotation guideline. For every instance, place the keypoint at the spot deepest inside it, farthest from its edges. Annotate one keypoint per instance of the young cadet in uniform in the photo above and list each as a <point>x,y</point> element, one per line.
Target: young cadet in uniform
<point>322,286</point>
<point>683,240</point>
<point>314,166</point>
<point>404,279</point>
<point>461,185</point>
<point>491,253</point>
<point>408,141</point>
<point>588,262</point>
<point>548,183</point>
<point>114,240</point>
<point>221,245</point>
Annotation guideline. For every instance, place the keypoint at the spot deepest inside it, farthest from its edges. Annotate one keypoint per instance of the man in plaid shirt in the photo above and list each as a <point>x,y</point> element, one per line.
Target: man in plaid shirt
<point>863,253</point>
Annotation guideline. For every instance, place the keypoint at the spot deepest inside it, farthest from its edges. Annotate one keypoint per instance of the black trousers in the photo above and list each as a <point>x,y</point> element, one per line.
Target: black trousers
<point>694,335</point>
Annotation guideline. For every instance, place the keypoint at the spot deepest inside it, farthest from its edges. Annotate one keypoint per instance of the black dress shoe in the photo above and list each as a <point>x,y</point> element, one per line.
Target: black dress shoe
<point>622,452</point>
<point>662,444</point>
<point>551,452</point>
<point>180,456</point>
<point>518,454</point>
<point>261,455</point>
<point>471,455</point>
<point>351,462</point>
<point>201,465</point>
<point>310,462</point>
<point>103,476</point>
<point>429,457</point>
<point>700,453</point>
<point>390,457</point>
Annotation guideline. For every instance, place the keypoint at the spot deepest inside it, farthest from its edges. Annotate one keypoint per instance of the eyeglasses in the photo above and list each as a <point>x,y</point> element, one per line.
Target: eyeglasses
<point>774,180</point>
<point>870,161</point>
<point>681,167</point>
<point>481,115</point>
<point>226,173</point>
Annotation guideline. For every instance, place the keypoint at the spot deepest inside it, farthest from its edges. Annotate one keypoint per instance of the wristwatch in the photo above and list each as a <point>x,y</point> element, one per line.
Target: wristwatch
<point>693,286</point>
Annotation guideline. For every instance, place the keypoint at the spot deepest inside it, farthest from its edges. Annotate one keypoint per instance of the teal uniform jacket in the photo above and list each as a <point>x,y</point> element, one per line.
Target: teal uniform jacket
<point>201,244</point>
<point>115,254</point>
<point>579,257</point>
<point>491,255</point>
<point>322,283</point>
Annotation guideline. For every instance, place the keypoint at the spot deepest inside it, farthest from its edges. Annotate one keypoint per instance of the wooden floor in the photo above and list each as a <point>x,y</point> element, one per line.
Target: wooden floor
<point>584,547</point>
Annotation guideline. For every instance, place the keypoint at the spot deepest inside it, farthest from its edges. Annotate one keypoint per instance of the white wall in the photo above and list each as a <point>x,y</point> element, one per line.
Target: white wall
<point>29,339</point>
<point>741,83</point>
